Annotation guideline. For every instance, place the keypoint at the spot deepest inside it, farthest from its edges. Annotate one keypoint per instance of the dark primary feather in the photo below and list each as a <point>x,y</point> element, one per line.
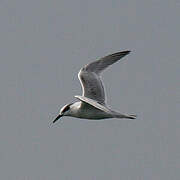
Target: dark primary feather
<point>89,76</point>
<point>101,64</point>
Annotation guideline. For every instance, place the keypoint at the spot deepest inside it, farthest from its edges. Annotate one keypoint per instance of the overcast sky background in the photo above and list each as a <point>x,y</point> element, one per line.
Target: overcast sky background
<point>43,44</point>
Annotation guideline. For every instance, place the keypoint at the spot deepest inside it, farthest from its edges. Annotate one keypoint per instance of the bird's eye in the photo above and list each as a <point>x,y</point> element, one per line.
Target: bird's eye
<point>66,108</point>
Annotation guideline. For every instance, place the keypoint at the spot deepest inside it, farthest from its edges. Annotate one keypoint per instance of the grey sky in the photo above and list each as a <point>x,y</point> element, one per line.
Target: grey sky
<point>43,44</point>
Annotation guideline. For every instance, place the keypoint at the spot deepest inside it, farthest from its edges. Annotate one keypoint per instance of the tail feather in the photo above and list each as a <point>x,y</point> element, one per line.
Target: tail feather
<point>119,115</point>
<point>131,116</point>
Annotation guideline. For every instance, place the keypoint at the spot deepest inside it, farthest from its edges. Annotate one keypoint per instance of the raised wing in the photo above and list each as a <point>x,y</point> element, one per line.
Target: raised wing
<point>89,76</point>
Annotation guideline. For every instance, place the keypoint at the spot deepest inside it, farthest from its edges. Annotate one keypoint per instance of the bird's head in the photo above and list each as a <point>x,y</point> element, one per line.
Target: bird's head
<point>64,111</point>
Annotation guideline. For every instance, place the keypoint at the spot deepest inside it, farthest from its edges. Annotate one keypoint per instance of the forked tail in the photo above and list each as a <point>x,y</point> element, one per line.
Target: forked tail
<point>130,116</point>
<point>119,115</point>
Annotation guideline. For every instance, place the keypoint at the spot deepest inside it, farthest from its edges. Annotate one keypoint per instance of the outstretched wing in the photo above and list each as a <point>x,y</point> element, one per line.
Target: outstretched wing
<point>90,80</point>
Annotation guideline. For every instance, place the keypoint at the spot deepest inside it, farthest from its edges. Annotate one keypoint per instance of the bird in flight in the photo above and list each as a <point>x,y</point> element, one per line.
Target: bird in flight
<point>92,103</point>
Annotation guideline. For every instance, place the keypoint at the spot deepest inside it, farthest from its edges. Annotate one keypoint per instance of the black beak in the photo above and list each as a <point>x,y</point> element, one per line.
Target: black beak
<point>60,115</point>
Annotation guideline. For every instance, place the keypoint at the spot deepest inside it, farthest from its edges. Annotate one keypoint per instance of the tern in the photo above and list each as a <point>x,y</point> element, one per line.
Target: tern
<point>92,103</point>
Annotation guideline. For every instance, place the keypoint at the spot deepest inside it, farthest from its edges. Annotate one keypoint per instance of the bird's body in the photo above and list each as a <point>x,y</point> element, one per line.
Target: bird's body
<point>86,111</point>
<point>92,103</point>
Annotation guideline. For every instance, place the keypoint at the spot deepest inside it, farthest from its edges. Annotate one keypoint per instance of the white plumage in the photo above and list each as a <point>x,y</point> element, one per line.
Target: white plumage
<point>92,104</point>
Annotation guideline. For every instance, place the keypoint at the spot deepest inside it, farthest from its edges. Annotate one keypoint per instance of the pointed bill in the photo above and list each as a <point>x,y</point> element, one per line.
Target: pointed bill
<point>57,118</point>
